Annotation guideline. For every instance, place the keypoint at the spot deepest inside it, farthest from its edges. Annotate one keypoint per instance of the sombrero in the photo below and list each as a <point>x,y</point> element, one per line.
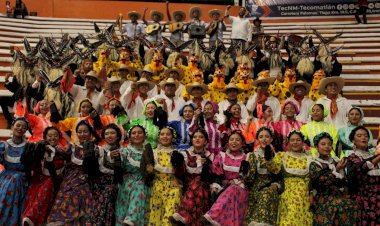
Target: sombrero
<point>158,13</point>
<point>179,71</point>
<point>293,86</point>
<point>213,11</point>
<point>324,82</point>
<point>264,77</point>
<point>181,13</point>
<point>195,8</point>
<point>169,81</point>
<point>189,88</point>
<point>145,81</point>
<point>134,13</point>
<point>231,85</point>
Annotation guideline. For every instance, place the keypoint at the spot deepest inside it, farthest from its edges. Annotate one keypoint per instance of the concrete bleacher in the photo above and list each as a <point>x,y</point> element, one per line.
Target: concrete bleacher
<point>360,56</point>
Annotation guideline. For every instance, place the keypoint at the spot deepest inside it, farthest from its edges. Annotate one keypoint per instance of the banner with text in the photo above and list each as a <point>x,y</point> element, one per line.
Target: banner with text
<point>294,8</point>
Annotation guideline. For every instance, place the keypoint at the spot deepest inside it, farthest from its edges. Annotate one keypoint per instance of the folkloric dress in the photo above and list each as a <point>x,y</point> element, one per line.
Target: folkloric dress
<point>12,183</point>
<point>152,136</point>
<point>332,207</point>
<point>211,127</point>
<point>262,200</point>
<point>284,127</point>
<point>103,190</point>
<point>195,202</point>
<point>183,140</point>
<point>73,199</point>
<point>294,202</point>
<point>165,182</point>
<point>366,178</point>
<point>42,188</point>
<point>229,208</point>
<point>133,195</point>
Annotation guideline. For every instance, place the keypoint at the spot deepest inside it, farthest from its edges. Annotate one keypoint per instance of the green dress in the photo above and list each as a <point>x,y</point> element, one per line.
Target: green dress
<point>262,199</point>
<point>133,195</point>
<point>331,206</point>
<point>152,130</point>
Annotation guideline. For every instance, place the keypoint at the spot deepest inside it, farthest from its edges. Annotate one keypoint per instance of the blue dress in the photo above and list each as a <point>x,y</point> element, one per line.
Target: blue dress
<point>12,183</point>
<point>183,139</point>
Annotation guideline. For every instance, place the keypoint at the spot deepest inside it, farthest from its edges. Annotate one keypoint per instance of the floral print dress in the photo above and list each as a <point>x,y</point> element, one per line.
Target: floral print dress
<point>229,209</point>
<point>196,200</point>
<point>12,182</point>
<point>293,209</point>
<point>72,203</point>
<point>103,190</point>
<point>366,177</point>
<point>166,188</point>
<point>331,206</point>
<point>133,195</point>
<point>263,199</point>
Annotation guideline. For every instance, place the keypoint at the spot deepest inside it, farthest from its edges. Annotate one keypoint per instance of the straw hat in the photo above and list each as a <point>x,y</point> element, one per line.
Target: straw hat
<point>113,79</point>
<point>194,9</point>
<point>293,86</point>
<point>143,80</point>
<point>324,82</point>
<point>189,88</point>
<point>264,76</point>
<point>174,69</point>
<point>213,11</point>
<point>180,13</point>
<point>232,85</point>
<point>147,69</point>
<point>92,74</point>
<point>134,13</point>
<point>124,67</point>
<point>157,13</point>
<point>168,82</point>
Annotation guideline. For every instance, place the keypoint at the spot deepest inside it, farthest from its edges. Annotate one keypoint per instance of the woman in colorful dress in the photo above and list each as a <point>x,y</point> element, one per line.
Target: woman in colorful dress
<point>264,194</point>
<point>290,110</point>
<point>265,119</point>
<point>230,207</point>
<point>181,127</point>
<point>363,171</point>
<point>196,198</point>
<point>316,126</point>
<point>148,122</point>
<point>355,119</point>
<point>207,121</point>
<point>103,185</point>
<point>133,195</point>
<point>327,180</point>
<point>49,164</point>
<point>72,203</point>
<point>85,107</point>
<point>166,187</point>
<point>233,122</point>
<point>13,176</point>
<point>293,165</point>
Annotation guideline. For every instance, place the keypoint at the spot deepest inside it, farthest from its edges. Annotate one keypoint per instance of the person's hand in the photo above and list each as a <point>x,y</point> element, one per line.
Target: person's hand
<point>228,7</point>
<point>160,100</point>
<point>145,9</point>
<point>167,2</point>
<point>197,113</point>
<point>214,190</point>
<point>274,187</point>
<point>39,78</point>
<point>93,114</point>
<point>341,164</point>
<point>249,120</point>
<point>114,154</point>
<point>7,76</point>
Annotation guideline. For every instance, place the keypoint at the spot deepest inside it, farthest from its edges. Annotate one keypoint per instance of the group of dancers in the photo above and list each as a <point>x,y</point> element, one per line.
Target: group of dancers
<point>129,130</point>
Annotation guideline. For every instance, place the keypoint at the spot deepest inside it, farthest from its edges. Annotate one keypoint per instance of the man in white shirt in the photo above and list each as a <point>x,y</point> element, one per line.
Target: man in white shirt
<point>241,32</point>
<point>262,96</point>
<point>336,105</point>
<point>232,92</point>
<point>300,91</point>
<point>134,29</point>
<point>134,97</point>
<point>87,91</point>
<point>172,104</point>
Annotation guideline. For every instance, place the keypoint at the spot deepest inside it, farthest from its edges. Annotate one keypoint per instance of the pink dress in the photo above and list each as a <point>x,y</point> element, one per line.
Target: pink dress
<point>231,205</point>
